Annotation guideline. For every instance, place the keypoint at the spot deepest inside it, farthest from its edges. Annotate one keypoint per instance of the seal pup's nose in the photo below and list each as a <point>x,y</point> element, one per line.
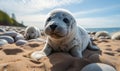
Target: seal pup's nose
<point>53,27</point>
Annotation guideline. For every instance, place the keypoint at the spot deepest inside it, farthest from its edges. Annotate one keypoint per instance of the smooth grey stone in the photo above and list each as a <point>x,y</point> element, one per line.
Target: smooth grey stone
<point>10,33</point>
<point>20,42</point>
<point>98,67</point>
<point>102,34</point>
<point>19,36</point>
<point>9,39</point>
<point>116,36</point>
<point>101,37</point>
<point>2,30</point>
<point>3,42</point>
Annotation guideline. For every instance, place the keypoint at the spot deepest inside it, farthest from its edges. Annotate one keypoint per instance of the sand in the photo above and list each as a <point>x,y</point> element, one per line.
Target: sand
<point>16,58</point>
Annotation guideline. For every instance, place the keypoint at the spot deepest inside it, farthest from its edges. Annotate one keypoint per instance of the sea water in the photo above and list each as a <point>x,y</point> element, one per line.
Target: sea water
<point>110,30</point>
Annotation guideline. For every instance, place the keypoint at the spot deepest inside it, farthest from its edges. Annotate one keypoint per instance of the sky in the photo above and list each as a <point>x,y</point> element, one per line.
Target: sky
<point>88,13</point>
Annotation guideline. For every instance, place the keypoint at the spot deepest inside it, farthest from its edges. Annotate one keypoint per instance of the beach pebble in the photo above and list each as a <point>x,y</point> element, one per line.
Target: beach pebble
<point>20,42</point>
<point>10,33</point>
<point>116,36</point>
<point>9,39</point>
<point>102,34</point>
<point>3,42</point>
<point>98,67</point>
<point>2,30</point>
<point>19,36</point>
<point>101,37</point>
<point>102,40</point>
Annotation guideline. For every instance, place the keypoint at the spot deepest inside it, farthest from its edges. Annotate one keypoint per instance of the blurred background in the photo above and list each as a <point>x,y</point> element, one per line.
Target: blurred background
<point>88,13</point>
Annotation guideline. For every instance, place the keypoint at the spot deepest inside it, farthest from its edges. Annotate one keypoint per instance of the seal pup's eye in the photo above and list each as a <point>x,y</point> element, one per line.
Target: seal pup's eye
<point>49,19</point>
<point>66,20</point>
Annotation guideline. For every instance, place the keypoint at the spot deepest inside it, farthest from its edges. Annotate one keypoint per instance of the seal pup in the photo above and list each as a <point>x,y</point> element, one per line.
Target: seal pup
<point>32,32</point>
<point>63,35</point>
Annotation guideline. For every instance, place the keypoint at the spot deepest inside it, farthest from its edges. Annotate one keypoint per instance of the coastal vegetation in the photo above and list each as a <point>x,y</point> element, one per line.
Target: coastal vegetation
<point>6,20</point>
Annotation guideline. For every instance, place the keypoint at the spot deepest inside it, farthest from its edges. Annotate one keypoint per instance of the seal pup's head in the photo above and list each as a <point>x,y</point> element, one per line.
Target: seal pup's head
<point>59,24</point>
<point>32,32</point>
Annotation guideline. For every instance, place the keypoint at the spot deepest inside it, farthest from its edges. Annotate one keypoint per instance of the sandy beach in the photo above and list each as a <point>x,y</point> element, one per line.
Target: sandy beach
<point>17,58</point>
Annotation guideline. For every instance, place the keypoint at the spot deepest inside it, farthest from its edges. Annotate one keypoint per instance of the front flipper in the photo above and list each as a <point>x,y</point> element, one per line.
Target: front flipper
<point>76,52</point>
<point>39,54</point>
<point>92,47</point>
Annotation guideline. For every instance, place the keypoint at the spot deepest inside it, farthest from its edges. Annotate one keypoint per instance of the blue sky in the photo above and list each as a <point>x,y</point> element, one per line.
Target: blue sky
<point>88,13</point>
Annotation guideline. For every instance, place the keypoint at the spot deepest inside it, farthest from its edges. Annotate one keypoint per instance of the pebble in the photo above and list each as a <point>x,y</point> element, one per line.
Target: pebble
<point>98,67</point>
<point>10,33</point>
<point>103,40</point>
<point>3,42</point>
<point>20,42</point>
<point>116,36</point>
<point>102,34</point>
<point>19,36</point>
<point>2,30</point>
<point>9,39</point>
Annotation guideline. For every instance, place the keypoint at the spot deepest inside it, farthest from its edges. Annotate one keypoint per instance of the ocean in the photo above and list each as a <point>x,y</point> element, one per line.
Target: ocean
<point>110,30</point>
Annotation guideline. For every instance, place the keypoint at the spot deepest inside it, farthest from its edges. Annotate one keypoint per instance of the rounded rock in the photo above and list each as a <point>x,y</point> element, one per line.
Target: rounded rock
<point>9,39</point>
<point>19,37</point>
<point>2,30</point>
<point>102,34</point>
<point>21,42</point>
<point>116,36</point>
<point>3,42</point>
<point>10,33</point>
<point>98,67</point>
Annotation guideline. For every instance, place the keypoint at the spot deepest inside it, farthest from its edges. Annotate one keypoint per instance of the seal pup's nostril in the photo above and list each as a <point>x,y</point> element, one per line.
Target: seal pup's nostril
<point>53,26</point>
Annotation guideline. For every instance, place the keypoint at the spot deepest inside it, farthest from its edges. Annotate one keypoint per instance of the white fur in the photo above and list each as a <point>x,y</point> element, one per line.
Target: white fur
<point>66,37</point>
<point>32,32</point>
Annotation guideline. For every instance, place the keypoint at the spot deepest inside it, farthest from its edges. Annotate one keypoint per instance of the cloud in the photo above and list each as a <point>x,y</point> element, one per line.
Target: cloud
<point>77,14</point>
<point>25,9</point>
<point>29,6</point>
<point>111,21</point>
<point>32,18</point>
<point>36,20</point>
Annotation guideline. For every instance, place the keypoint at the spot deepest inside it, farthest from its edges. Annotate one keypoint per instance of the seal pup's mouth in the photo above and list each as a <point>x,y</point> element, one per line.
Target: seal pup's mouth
<point>56,35</point>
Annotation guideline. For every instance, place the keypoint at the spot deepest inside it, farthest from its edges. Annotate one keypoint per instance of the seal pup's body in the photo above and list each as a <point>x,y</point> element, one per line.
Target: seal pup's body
<point>64,35</point>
